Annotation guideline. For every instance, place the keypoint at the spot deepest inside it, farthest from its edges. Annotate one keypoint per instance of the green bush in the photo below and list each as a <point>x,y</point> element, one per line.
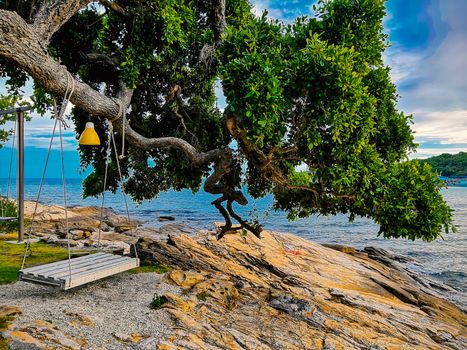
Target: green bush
<point>8,208</point>
<point>158,301</point>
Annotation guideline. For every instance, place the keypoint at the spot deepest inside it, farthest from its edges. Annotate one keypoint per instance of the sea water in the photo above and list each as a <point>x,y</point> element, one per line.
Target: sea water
<point>444,259</point>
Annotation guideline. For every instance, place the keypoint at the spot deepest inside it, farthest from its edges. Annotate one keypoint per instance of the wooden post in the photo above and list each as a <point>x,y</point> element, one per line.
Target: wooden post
<point>20,191</point>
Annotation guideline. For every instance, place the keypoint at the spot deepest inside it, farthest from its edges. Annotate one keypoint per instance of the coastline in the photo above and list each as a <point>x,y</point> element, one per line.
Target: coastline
<point>281,290</point>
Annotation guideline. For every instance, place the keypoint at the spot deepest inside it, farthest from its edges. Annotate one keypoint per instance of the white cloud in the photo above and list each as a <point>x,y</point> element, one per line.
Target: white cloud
<point>448,127</point>
<point>404,65</point>
<point>432,83</point>
<point>260,6</point>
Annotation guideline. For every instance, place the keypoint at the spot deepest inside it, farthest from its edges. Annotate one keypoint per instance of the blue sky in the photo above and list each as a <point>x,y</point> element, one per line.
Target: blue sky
<point>428,60</point>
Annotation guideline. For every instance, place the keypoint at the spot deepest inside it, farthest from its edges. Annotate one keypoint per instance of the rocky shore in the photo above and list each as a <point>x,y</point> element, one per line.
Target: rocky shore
<point>279,292</point>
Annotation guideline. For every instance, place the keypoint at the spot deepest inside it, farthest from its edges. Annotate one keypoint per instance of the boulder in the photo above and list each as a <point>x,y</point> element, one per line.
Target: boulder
<point>9,310</point>
<point>184,279</point>
<point>40,335</point>
<point>284,292</point>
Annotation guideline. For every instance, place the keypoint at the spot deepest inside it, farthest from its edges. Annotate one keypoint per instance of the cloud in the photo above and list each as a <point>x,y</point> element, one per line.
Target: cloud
<point>447,127</point>
<point>38,131</point>
<point>260,6</point>
<point>285,10</point>
<point>431,72</point>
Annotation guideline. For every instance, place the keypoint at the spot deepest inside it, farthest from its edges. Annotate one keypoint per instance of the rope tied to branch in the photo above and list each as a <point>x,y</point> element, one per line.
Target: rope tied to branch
<point>60,121</point>
<point>121,113</point>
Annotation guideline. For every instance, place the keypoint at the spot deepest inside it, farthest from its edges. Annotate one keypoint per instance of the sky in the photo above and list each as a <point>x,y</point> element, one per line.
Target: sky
<point>428,60</point>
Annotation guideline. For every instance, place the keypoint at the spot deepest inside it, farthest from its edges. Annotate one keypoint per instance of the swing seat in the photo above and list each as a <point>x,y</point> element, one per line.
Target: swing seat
<point>84,269</point>
<point>8,218</point>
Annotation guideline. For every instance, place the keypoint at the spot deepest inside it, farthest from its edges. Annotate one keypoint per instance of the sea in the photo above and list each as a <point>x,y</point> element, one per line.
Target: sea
<point>444,260</point>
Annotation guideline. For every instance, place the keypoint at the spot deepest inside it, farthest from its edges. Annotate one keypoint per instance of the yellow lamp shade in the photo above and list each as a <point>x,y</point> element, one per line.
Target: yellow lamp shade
<point>89,136</point>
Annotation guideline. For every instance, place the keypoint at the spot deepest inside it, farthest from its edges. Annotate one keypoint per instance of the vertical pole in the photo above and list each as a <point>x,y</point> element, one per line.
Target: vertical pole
<point>20,175</point>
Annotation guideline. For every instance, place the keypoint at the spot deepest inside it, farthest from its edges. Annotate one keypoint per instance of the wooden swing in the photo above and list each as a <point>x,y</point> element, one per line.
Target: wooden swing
<point>75,272</point>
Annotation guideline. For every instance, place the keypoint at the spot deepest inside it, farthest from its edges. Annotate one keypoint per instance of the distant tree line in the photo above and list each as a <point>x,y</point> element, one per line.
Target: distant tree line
<point>449,164</point>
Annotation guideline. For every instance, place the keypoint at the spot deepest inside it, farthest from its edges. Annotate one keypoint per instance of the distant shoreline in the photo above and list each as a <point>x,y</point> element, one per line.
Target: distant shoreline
<point>457,181</point>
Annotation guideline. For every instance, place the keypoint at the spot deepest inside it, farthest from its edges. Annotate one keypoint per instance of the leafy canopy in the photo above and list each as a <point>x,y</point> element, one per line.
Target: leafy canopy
<point>313,101</point>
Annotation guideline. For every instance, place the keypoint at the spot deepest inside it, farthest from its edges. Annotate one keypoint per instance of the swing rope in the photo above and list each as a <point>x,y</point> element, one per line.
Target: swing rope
<point>111,142</point>
<point>103,191</point>
<point>4,203</point>
<point>60,121</point>
<point>11,160</point>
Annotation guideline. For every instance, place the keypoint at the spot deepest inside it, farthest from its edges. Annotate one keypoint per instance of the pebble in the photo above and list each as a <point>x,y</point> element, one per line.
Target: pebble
<point>116,305</point>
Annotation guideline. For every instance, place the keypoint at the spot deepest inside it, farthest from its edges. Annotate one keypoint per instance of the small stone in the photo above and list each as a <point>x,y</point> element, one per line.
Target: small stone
<point>79,320</point>
<point>8,310</point>
<point>340,248</point>
<point>185,279</point>
<point>132,338</point>
<point>124,228</point>
<point>163,218</point>
<point>174,302</point>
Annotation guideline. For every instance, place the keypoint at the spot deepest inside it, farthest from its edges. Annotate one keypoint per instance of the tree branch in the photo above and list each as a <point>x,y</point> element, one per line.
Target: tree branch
<point>112,5</point>
<point>53,14</point>
<point>218,22</point>
<point>102,59</point>
<point>265,163</point>
<point>20,44</point>
<point>218,25</point>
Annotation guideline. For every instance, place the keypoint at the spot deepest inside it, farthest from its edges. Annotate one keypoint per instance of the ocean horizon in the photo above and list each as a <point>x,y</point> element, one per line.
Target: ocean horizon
<point>444,259</point>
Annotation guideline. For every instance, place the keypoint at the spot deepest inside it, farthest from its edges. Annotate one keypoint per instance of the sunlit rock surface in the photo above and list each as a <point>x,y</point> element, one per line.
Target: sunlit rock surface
<point>284,292</point>
<point>278,292</point>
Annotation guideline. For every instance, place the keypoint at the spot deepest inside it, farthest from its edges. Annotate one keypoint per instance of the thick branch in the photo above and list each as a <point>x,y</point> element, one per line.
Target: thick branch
<point>20,44</point>
<point>112,5</point>
<point>265,163</point>
<point>53,14</point>
<point>102,60</point>
<point>218,23</point>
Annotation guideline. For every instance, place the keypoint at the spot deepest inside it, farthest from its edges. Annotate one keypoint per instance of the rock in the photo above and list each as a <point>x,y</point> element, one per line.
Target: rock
<point>387,257</point>
<point>397,291</point>
<point>341,248</point>
<point>77,234</point>
<point>166,218</point>
<point>39,335</point>
<point>8,310</point>
<point>132,338</point>
<point>79,320</point>
<point>23,341</point>
<point>293,306</point>
<point>174,302</point>
<point>177,229</point>
<point>184,279</point>
<point>124,228</point>
<point>277,292</point>
<point>223,291</point>
<point>51,218</point>
<point>282,291</point>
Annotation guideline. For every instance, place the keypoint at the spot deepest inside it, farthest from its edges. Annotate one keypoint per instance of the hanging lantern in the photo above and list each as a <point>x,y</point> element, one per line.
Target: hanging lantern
<point>89,136</point>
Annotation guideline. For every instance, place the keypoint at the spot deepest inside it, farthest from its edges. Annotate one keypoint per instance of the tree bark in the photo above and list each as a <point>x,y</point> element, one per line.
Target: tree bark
<point>53,14</point>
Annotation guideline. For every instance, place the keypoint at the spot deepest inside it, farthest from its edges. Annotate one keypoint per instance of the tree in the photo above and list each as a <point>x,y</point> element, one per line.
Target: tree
<point>311,112</point>
<point>448,164</point>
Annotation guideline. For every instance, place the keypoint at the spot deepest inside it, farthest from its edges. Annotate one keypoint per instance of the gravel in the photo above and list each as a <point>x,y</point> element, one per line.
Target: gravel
<point>118,305</point>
